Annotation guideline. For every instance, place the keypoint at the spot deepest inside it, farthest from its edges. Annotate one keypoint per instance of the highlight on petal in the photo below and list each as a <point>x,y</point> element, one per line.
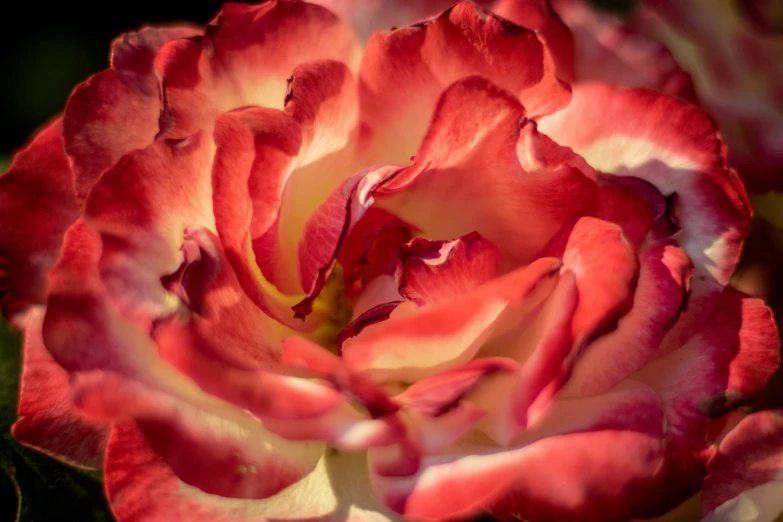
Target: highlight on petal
<point>746,475</point>
<point>244,59</point>
<point>116,111</point>
<point>38,202</point>
<point>414,343</point>
<point>483,167</point>
<point>423,59</point>
<point>141,207</point>
<point>48,420</point>
<point>675,147</point>
<point>336,490</point>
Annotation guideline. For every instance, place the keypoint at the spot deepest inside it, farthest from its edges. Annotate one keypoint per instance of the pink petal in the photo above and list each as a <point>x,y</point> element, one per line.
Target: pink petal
<point>141,207</point>
<point>478,151</point>
<point>36,195</point>
<point>746,474</point>
<point>415,343</point>
<point>244,58</point>
<point>675,147</point>
<point>116,110</point>
<point>336,490</point>
<point>423,59</point>
<point>565,465</point>
<point>660,296</point>
<point>48,420</point>
<point>436,271</point>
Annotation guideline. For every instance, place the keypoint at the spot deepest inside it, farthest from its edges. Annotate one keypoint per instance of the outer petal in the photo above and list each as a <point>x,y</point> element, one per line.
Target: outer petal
<point>244,58</point>
<point>48,420</point>
<point>414,343</point>
<point>423,59</point>
<point>141,207</point>
<point>117,110</point>
<point>675,147</point>
<point>608,50</point>
<point>552,471</point>
<point>117,374</point>
<point>482,167</point>
<point>746,475</point>
<point>335,491</point>
<point>36,195</point>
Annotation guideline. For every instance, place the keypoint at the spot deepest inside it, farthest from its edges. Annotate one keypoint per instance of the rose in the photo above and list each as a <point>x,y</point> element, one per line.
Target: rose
<point>261,312</point>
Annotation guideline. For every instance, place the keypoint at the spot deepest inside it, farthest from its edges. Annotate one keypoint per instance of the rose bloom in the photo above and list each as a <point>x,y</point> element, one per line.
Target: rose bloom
<point>270,270</point>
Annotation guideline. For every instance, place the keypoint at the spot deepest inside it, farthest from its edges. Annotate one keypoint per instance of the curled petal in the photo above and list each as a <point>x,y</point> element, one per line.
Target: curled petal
<point>244,58</point>
<point>38,202</point>
<point>479,150</point>
<point>423,59</point>
<point>116,111</point>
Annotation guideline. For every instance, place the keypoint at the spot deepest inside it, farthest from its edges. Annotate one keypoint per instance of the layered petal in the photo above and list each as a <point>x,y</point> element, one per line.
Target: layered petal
<point>414,343</point>
<point>675,147</point>
<point>423,59</point>
<point>38,202</point>
<point>116,111</point>
<point>141,207</point>
<point>244,58</point>
<point>116,374</point>
<point>746,473</point>
<point>48,420</point>
<point>336,490</point>
<point>566,467</point>
<point>484,168</point>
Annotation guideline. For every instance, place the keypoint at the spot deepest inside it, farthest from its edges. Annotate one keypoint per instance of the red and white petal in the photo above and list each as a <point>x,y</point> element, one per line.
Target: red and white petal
<point>675,147</point>
<point>48,420</point>
<point>244,58</point>
<point>746,475</point>
<point>141,487</point>
<point>725,365</point>
<point>414,343</point>
<point>38,202</point>
<point>141,207</point>
<point>660,296</point>
<point>566,466</point>
<point>117,374</point>
<point>423,59</point>
<point>482,167</point>
<point>607,49</point>
<point>116,111</point>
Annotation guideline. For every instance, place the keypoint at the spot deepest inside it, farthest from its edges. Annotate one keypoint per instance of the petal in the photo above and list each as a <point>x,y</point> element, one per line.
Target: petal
<point>479,150</point>
<point>607,49</point>
<point>566,465</point>
<point>661,294</point>
<point>421,60</point>
<point>725,365</point>
<point>48,420</point>
<point>436,271</point>
<point>675,147</point>
<point>336,490</point>
<point>244,59</point>
<point>141,207</point>
<point>415,343</point>
<point>117,374</point>
<point>745,476</point>
<point>36,195</point>
<point>116,110</point>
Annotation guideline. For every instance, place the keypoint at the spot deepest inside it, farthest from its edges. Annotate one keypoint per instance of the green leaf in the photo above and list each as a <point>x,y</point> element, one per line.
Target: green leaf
<point>34,487</point>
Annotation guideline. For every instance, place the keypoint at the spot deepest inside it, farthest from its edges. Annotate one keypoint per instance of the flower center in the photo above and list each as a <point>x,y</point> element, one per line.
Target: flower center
<point>336,308</point>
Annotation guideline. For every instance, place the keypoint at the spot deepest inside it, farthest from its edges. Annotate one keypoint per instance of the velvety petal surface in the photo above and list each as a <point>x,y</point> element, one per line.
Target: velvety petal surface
<point>48,420</point>
<point>116,110</point>
<point>38,202</point>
